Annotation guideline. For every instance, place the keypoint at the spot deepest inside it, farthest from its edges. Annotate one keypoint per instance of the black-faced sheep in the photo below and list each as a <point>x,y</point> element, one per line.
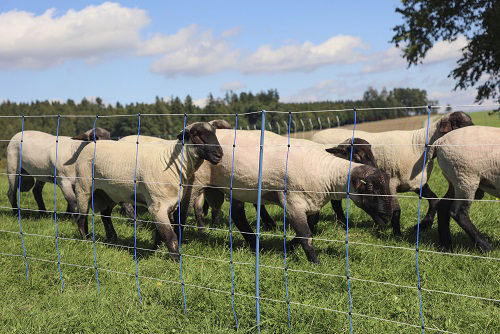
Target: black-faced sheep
<point>401,155</point>
<point>470,161</point>
<point>314,178</point>
<point>39,158</point>
<point>157,176</point>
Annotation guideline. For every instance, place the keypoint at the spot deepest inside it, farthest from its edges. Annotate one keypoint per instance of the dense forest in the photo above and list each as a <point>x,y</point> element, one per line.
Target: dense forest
<point>164,118</point>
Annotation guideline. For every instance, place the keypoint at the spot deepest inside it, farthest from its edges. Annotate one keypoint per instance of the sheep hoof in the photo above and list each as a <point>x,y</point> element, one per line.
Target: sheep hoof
<point>424,225</point>
<point>485,246</point>
<point>45,214</point>
<point>113,239</point>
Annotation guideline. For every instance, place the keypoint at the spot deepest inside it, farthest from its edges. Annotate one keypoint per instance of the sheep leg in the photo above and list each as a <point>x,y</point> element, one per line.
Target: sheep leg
<point>199,210</point>
<point>12,192</point>
<point>164,229</point>
<point>37,193</point>
<point>460,212</point>
<point>215,199</point>
<point>312,221</point>
<point>396,217</point>
<point>127,210</point>
<point>205,208</point>
<point>69,195</point>
<point>83,226</point>
<point>174,217</point>
<point>431,212</point>
<point>443,211</point>
<point>298,220</point>
<point>267,221</point>
<point>337,208</point>
<point>241,222</point>
<point>108,224</point>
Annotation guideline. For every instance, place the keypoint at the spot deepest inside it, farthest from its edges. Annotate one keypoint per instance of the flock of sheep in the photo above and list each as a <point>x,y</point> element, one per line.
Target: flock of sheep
<point>210,161</point>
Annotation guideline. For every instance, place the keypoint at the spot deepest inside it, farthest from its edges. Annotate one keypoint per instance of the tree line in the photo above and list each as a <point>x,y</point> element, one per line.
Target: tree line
<point>164,117</point>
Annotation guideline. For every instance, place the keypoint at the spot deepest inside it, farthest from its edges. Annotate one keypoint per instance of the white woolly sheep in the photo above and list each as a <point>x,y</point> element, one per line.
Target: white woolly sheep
<point>470,161</point>
<point>401,155</point>
<point>314,178</point>
<point>158,177</point>
<point>197,203</point>
<point>39,158</point>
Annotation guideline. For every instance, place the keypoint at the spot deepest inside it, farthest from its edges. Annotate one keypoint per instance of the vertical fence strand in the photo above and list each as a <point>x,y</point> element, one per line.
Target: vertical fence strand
<point>231,225</point>
<point>93,213</point>
<point>56,226</point>
<point>419,287</point>
<point>19,177</point>
<point>135,208</point>
<point>179,216</point>
<point>257,235</point>
<point>347,269</point>
<point>285,264</point>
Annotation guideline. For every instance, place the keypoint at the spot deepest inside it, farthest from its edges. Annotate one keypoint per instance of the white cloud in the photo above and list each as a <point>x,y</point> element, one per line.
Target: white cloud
<point>231,32</point>
<point>339,49</point>
<point>201,102</point>
<point>233,86</point>
<point>392,58</point>
<point>195,53</point>
<point>161,43</point>
<point>443,51</point>
<point>328,90</point>
<point>384,61</point>
<point>30,41</point>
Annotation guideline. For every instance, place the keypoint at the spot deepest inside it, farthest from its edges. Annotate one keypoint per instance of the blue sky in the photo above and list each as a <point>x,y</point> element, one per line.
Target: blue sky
<point>132,51</point>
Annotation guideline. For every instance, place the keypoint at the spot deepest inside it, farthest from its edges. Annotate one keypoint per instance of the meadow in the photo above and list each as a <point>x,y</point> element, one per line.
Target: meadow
<point>382,275</point>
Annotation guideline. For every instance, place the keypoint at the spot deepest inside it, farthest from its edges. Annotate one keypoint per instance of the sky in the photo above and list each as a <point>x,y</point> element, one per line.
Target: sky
<point>135,51</point>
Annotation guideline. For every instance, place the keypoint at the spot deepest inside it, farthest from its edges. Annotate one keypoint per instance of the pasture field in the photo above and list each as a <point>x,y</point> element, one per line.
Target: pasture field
<point>383,279</point>
<point>406,123</point>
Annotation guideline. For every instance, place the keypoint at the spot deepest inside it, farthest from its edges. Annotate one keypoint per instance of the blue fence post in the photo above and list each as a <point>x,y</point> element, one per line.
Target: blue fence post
<point>257,235</point>
<point>93,213</point>
<point>55,208</point>
<point>135,208</point>
<point>19,177</point>
<point>347,269</point>
<point>179,216</point>
<point>231,225</point>
<point>285,264</point>
<point>419,287</point>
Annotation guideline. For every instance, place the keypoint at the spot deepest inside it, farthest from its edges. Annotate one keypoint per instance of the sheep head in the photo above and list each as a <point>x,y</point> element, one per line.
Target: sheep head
<point>453,121</point>
<point>368,180</point>
<point>202,136</point>
<point>361,153</point>
<point>100,134</point>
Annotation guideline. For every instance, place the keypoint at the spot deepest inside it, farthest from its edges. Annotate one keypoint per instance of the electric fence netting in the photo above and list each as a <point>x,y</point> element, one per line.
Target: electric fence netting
<point>367,279</point>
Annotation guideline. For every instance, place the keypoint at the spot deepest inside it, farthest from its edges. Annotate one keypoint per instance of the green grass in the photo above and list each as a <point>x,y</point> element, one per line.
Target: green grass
<point>37,304</point>
<point>484,118</point>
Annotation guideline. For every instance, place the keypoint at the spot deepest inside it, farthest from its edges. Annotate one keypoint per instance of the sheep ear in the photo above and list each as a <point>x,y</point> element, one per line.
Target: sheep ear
<point>445,127</point>
<point>338,150</point>
<point>186,135</point>
<point>82,136</point>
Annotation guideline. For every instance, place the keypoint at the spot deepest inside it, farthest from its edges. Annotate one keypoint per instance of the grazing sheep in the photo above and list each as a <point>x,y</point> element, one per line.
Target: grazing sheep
<point>38,160</point>
<point>361,153</point>
<point>314,178</point>
<point>470,161</point>
<point>158,177</point>
<point>401,155</point>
